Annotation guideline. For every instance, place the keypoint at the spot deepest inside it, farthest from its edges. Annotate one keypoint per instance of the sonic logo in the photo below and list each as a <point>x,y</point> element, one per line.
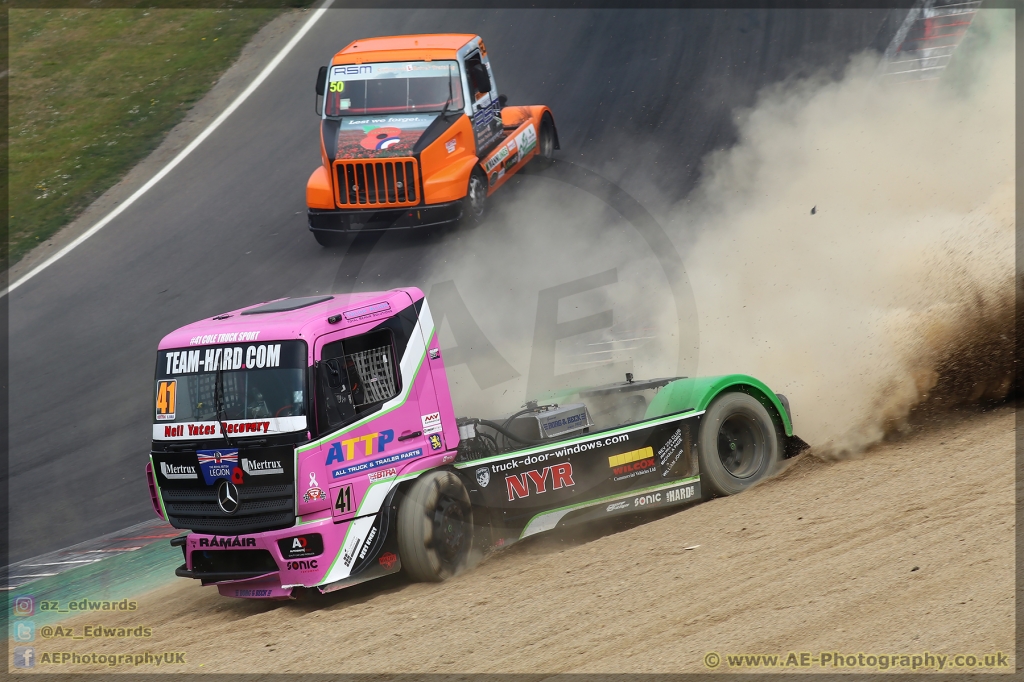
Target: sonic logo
<point>346,449</point>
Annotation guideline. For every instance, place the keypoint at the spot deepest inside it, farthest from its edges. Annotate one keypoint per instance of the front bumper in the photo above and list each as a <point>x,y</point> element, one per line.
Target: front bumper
<point>257,565</point>
<point>374,220</point>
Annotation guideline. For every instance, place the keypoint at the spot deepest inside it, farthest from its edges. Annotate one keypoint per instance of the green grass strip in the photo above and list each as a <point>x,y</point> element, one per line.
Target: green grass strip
<point>94,91</point>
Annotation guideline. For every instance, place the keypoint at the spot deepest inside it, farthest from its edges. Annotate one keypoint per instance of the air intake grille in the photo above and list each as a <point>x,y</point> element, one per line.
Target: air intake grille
<point>368,184</point>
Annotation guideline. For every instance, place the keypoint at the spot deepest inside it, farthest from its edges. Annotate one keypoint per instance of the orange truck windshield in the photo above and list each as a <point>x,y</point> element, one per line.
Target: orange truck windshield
<point>392,88</point>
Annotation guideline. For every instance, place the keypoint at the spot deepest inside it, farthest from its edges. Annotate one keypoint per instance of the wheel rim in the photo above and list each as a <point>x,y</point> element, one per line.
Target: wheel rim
<point>477,195</point>
<point>449,530</point>
<point>741,445</point>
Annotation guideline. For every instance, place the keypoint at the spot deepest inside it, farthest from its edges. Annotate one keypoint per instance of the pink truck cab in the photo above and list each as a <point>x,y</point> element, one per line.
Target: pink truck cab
<point>310,444</point>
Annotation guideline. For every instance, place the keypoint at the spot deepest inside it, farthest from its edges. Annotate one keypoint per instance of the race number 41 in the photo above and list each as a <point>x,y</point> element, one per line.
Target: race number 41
<point>343,501</point>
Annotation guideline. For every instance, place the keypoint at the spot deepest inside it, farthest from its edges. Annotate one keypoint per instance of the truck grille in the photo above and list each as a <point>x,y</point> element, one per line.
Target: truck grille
<point>366,184</point>
<point>261,507</point>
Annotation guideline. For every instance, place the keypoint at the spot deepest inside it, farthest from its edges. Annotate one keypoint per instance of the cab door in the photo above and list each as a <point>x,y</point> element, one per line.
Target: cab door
<point>368,407</point>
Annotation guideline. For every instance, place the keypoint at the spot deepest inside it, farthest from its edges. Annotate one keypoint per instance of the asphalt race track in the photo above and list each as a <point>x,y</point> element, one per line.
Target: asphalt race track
<point>639,96</point>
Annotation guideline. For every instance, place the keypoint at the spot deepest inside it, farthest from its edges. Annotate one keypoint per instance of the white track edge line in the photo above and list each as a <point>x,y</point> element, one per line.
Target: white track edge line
<point>181,155</point>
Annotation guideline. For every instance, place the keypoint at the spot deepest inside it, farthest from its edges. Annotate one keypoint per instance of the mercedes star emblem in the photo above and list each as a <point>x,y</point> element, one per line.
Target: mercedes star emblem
<point>227,497</point>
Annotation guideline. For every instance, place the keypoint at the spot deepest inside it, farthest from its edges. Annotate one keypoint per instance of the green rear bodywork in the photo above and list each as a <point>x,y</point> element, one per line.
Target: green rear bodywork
<point>697,394</point>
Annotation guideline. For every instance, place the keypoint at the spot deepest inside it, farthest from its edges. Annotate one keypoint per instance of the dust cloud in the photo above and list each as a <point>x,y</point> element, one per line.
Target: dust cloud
<point>897,291</point>
<point>898,288</point>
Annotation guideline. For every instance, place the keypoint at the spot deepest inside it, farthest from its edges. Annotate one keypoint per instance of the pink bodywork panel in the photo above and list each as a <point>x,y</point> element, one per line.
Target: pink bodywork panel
<point>415,435</point>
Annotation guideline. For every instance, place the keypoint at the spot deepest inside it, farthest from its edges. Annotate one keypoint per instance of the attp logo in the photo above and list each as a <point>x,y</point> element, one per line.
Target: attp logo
<point>24,606</point>
<point>346,449</point>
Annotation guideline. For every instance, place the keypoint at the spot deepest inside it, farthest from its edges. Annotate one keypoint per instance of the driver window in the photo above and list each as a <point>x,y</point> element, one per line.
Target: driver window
<point>356,376</point>
<point>479,80</point>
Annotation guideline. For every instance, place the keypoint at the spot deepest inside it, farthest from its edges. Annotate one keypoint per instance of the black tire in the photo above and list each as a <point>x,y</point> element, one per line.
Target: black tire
<point>435,527</point>
<point>546,141</point>
<point>738,444</point>
<point>328,239</point>
<point>475,205</point>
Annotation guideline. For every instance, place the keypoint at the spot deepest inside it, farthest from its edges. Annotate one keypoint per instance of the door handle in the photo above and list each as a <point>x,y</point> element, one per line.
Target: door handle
<point>410,435</point>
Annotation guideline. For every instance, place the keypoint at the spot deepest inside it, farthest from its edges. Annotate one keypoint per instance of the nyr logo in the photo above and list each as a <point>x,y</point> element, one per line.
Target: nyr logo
<point>518,485</point>
<point>372,443</point>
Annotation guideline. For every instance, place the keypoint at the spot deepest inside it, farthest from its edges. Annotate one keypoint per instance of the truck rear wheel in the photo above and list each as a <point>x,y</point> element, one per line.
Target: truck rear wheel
<point>546,141</point>
<point>738,444</point>
<point>435,527</point>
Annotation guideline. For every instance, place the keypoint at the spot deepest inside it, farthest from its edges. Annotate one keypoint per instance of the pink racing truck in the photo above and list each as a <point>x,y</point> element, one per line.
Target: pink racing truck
<point>311,444</point>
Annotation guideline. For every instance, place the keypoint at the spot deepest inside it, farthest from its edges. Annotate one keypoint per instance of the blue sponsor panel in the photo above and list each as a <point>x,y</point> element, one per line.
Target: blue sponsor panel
<point>377,463</point>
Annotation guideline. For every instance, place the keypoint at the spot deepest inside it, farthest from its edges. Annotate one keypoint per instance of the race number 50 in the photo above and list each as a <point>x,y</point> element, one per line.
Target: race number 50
<point>166,393</point>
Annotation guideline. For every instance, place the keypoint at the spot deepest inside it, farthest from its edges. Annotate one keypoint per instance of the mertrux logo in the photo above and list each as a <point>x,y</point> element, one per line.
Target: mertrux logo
<point>381,438</point>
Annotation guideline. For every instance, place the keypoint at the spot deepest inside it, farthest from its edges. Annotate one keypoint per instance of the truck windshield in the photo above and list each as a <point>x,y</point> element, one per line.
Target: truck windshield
<point>245,388</point>
<point>392,88</point>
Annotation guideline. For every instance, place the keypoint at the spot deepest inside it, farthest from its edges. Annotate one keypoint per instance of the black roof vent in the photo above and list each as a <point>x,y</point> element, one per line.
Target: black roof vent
<point>287,304</point>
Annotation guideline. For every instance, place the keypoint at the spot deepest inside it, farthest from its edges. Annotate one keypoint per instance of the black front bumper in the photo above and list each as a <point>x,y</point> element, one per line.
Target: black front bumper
<point>373,220</point>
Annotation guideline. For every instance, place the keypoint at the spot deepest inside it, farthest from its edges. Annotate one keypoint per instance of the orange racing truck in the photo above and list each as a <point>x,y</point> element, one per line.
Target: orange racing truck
<point>413,134</point>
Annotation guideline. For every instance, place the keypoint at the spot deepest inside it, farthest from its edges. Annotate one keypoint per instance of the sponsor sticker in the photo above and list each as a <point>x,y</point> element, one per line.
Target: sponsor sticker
<point>301,546</point>
<point>431,422</point>
<point>343,450</point>
<point>616,506</point>
<point>367,544</point>
<point>381,475</point>
<point>217,464</point>
<point>671,451</point>
<point>235,541</point>
<point>483,476</point>
<point>350,551</point>
<point>261,467</point>
<point>227,358</point>
<point>447,459</point>
<point>314,492</point>
<point>633,463</point>
<point>387,560</point>
<point>376,463</point>
<point>435,441</point>
<point>304,566</point>
<point>178,471</point>
<point>382,308</point>
<point>450,145</point>
<point>519,485</point>
<point>166,396</point>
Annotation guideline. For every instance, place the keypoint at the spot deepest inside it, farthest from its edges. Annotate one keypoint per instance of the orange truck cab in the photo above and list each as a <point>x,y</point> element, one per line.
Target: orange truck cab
<point>413,133</point>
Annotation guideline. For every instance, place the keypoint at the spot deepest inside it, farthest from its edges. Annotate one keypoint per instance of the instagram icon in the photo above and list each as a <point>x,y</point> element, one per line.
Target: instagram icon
<point>24,606</point>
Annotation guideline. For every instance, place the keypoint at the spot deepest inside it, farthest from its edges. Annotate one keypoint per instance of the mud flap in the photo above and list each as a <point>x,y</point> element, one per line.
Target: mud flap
<point>794,446</point>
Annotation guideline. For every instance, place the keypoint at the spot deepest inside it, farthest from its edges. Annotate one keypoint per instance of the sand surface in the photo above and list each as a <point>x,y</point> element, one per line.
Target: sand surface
<point>905,550</point>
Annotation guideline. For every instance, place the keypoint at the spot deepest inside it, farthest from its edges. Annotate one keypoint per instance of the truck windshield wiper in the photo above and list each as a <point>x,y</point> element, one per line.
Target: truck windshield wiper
<point>451,94</point>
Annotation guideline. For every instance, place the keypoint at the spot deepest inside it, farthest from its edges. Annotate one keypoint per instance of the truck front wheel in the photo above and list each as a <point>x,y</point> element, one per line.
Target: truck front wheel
<point>738,444</point>
<point>475,204</point>
<point>435,527</point>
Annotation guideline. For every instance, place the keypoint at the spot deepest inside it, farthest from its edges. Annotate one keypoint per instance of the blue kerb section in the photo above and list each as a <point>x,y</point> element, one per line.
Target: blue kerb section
<point>124,576</point>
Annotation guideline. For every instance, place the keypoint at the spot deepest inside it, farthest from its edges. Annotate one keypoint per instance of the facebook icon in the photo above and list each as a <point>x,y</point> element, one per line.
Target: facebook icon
<point>24,657</point>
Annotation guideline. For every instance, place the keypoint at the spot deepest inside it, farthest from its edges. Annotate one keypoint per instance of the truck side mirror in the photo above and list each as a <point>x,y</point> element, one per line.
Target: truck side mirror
<point>481,80</point>
<point>502,100</point>
<point>321,80</point>
<point>321,83</point>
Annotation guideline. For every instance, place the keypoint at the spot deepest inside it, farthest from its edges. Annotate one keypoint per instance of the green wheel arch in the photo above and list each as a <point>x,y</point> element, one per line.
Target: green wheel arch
<point>697,394</point>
